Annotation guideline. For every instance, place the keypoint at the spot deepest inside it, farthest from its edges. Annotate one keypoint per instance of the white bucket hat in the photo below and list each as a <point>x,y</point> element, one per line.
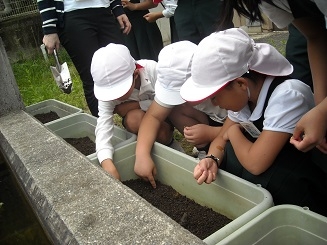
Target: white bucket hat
<point>173,69</point>
<point>112,70</point>
<point>226,55</point>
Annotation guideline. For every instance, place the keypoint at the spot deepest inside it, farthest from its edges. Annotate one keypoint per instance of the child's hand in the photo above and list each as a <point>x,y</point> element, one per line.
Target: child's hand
<point>311,131</point>
<point>128,4</point>
<point>109,166</point>
<point>198,134</point>
<point>144,167</point>
<point>205,171</point>
<point>150,17</point>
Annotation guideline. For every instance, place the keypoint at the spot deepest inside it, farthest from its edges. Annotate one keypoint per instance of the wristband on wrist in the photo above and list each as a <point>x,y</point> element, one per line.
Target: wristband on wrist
<point>216,159</point>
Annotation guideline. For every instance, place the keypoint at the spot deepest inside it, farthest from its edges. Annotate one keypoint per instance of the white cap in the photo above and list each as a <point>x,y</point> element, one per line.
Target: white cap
<point>173,69</point>
<point>226,55</point>
<point>112,70</point>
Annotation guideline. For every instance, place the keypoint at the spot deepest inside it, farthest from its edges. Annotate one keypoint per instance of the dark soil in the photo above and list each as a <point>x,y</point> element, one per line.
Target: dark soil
<point>84,144</point>
<point>199,220</point>
<point>47,117</point>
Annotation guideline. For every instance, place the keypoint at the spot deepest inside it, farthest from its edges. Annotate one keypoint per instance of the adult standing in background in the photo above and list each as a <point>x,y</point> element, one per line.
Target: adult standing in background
<point>196,19</point>
<point>168,12</point>
<point>82,27</point>
<point>145,40</point>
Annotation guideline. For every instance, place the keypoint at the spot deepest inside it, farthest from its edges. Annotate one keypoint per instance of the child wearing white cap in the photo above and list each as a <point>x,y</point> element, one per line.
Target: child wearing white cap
<point>126,87</point>
<point>310,18</point>
<point>250,80</point>
<point>174,67</point>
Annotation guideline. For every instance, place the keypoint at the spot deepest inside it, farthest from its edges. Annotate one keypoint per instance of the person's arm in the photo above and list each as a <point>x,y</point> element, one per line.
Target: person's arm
<point>104,131</point>
<point>206,169</point>
<point>144,165</point>
<point>153,16</point>
<point>118,11</point>
<point>145,5</point>
<point>49,17</point>
<point>256,157</point>
<point>314,29</point>
<point>311,130</point>
<point>170,8</point>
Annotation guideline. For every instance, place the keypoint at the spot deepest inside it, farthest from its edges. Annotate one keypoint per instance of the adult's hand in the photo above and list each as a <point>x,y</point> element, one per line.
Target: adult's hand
<point>51,42</point>
<point>124,23</point>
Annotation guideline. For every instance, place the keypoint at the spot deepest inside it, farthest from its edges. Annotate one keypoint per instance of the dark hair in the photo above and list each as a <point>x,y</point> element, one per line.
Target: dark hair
<point>253,75</point>
<point>247,8</point>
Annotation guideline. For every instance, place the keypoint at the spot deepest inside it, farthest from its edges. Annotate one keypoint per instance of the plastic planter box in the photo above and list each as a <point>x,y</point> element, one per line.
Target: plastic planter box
<point>62,109</point>
<point>83,125</point>
<point>229,195</point>
<point>283,224</point>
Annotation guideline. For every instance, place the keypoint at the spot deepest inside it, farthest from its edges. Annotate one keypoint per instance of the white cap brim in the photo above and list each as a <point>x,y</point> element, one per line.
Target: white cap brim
<point>108,93</point>
<point>168,96</point>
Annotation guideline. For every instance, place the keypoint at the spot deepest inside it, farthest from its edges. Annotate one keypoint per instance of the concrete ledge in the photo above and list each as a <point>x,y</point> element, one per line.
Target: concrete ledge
<point>76,201</point>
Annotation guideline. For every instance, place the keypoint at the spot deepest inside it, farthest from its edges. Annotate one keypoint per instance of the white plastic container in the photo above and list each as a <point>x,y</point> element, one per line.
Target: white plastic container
<point>282,224</point>
<point>62,109</point>
<point>229,195</point>
<point>83,125</point>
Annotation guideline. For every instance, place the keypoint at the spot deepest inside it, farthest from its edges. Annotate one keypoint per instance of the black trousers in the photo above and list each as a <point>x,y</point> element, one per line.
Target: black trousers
<point>196,19</point>
<point>86,31</point>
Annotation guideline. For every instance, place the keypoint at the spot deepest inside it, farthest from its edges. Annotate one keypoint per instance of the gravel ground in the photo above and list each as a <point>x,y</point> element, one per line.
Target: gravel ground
<point>277,39</point>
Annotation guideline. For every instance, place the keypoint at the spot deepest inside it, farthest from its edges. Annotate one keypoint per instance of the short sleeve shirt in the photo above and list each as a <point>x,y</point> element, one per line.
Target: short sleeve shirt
<point>287,104</point>
<point>282,15</point>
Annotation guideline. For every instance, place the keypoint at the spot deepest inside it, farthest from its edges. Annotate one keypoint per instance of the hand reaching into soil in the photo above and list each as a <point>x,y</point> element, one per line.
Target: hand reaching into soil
<point>144,167</point>
<point>109,166</point>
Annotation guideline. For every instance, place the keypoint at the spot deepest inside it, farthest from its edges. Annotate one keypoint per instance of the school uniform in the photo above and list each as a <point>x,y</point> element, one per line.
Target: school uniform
<point>144,40</point>
<point>196,19</point>
<point>168,12</point>
<point>283,12</point>
<point>105,124</point>
<point>293,178</point>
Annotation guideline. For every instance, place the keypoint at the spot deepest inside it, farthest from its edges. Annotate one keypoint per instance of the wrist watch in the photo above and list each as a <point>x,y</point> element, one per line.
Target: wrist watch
<point>216,159</point>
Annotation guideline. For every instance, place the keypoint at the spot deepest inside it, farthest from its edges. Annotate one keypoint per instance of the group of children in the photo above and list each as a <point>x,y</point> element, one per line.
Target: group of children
<point>229,96</point>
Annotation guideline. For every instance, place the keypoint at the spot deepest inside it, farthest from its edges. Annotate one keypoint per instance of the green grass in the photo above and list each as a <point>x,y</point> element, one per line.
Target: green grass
<point>36,83</point>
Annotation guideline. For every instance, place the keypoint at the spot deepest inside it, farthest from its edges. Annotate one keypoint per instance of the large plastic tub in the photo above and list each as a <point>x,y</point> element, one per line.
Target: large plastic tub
<point>229,195</point>
<point>83,125</point>
<point>62,109</point>
<point>283,224</point>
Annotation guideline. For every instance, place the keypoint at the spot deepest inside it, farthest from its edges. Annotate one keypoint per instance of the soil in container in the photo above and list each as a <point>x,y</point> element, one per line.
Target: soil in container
<point>199,220</point>
<point>47,117</point>
<point>84,145</point>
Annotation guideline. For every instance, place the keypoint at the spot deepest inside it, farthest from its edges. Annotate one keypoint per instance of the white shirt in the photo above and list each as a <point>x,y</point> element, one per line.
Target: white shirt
<point>214,112</point>
<point>105,124</point>
<point>170,7</point>
<point>283,16</point>
<point>287,104</point>
<point>70,5</point>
